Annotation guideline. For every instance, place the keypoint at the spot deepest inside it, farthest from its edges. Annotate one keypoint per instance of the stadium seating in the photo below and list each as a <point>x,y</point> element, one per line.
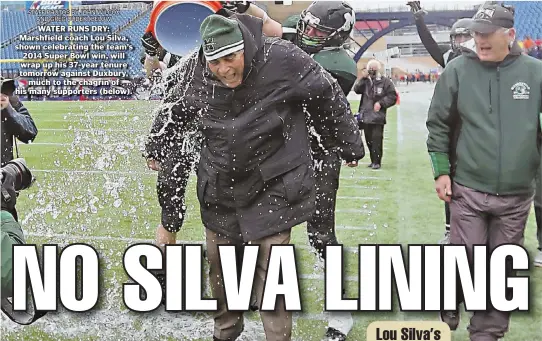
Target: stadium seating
<point>132,23</point>
<point>527,18</point>
<point>133,31</point>
<point>15,23</point>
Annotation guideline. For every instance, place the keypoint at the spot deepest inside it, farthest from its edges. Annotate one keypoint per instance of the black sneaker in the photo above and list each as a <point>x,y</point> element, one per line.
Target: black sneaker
<point>371,165</point>
<point>333,334</point>
<point>451,318</point>
<point>376,166</point>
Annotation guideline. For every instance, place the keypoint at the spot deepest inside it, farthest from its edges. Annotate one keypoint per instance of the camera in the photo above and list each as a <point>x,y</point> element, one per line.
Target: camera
<point>21,173</point>
<point>8,86</point>
<point>15,177</point>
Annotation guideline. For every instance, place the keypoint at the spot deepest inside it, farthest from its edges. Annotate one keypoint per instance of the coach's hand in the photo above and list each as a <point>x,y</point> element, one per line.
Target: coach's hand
<point>352,164</point>
<point>443,186</point>
<point>153,164</point>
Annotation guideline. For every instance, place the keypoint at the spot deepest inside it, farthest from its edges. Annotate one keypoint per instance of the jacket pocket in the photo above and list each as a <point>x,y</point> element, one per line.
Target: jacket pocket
<point>200,189</point>
<point>276,167</point>
<point>294,170</point>
<point>298,183</point>
<point>206,188</point>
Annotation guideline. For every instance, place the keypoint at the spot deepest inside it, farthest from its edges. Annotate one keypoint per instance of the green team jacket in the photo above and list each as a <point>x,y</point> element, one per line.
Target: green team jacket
<point>12,234</point>
<point>488,129</point>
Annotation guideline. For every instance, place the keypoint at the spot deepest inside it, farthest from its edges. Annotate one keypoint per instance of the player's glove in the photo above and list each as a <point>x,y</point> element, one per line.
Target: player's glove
<point>150,44</point>
<point>236,6</point>
<point>416,9</point>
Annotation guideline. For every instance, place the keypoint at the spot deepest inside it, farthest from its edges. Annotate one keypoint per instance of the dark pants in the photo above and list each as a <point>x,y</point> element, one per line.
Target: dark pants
<point>321,228</point>
<point>447,213</point>
<point>538,210</point>
<point>538,215</point>
<point>485,219</point>
<point>374,135</point>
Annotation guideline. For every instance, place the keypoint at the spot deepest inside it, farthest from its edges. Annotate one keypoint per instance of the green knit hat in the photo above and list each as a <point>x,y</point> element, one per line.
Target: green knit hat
<point>221,36</point>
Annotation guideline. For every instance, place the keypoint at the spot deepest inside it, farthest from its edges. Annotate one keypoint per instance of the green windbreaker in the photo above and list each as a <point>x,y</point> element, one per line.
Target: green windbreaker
<point>12,234</point>
<point>484,122</point>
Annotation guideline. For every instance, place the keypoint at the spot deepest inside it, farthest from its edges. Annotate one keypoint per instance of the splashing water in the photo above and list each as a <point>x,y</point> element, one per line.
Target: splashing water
<point>96,184</point>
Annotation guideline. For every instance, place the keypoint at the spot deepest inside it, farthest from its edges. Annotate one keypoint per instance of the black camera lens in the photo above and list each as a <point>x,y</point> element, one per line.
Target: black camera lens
<point>18,169</point>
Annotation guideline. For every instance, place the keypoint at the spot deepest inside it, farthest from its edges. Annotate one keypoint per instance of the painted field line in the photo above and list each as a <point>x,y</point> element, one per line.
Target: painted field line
<point>354,210</point>
<point>358,198</point>
<point>152,173</point>
<point>359,228</point>
<point>96,129</point>
<point>358,186</point>
<point>142,240</point>
<point>97,171</point>
<point>73,144</point>
<point>362,177</point>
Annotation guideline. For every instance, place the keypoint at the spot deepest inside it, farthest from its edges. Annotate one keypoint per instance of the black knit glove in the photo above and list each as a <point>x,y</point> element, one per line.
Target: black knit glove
<point>236,6</point>
<point>416,9</point>
<point>150,44</point>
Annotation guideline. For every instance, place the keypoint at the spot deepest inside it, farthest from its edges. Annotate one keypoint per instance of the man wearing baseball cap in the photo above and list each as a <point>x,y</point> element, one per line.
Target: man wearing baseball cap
<point>249,94</point>
<point>486,167</point>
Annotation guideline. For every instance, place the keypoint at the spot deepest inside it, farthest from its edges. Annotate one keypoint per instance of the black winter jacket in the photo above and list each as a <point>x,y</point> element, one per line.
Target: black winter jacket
<point>16,123</point>
<point>380,89</point>
<point>255,136</point>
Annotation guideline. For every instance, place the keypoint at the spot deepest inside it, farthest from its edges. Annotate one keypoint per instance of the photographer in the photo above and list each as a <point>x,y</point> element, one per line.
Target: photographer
<point>15,176</point>
<point>16,123</point>
<point>378,94</point>
<point>16,120</point>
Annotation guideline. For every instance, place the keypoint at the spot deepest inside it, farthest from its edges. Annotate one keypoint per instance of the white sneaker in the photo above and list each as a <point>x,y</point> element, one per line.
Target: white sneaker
<point>446,239</point>
<point>538,259</point>
<point>339,325</point>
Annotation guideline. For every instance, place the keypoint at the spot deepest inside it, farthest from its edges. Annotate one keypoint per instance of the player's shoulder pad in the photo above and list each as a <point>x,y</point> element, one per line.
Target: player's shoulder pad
<point>291,21</point>
<point>336,61</point>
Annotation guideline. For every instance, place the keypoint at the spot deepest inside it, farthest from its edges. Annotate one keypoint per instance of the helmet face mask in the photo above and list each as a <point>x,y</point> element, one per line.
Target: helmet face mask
<point>324,24</point>
<point>459,30</point>
<point>456,43</point>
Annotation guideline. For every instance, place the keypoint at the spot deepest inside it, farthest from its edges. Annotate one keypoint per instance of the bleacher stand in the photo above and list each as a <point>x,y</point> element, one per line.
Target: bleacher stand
<point>529,26</point>
<point>132,23</point>
<point>15,23</point>
<point>129,23</point>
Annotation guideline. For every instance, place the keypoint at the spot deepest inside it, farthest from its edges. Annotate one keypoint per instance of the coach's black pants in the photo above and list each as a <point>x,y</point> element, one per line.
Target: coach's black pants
<point>374,135</point>
<point>321,228</point>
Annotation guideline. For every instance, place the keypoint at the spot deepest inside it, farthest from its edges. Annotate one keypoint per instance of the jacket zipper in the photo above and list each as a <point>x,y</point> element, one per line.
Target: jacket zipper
<point>490,99</point>
<point>500,127</point>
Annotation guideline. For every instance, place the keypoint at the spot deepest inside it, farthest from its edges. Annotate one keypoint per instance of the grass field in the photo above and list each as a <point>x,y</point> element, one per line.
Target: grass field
<point>93,187</point>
